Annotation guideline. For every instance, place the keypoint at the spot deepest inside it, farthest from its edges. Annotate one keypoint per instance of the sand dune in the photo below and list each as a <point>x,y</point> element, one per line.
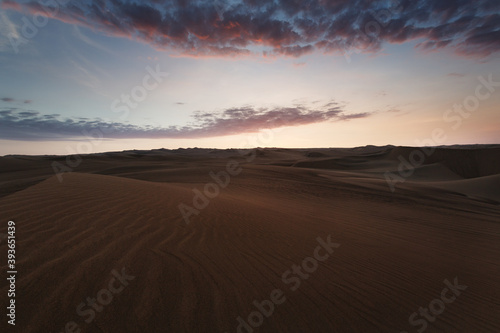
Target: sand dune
<point>121,211</point>
<point>481,188</point>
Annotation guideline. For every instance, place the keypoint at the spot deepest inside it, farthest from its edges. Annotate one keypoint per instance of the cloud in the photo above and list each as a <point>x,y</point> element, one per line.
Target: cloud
<point>28,114</point>
<point>8,31</point>
<point>6,112</point>
<point>19,124</point>
<point>394,110</point>
<point>299,64</point>
<point>456,75</point>
<point>354,116</point>
<point>11,100</point>
<point>287,27</point>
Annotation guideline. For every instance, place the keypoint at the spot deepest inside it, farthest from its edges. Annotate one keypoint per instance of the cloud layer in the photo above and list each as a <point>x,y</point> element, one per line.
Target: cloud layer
<point>286,27</point>
<point>19,124</point>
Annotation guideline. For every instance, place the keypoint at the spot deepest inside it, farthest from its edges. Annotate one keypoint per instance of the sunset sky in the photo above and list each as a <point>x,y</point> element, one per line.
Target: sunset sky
<point>320,73</point>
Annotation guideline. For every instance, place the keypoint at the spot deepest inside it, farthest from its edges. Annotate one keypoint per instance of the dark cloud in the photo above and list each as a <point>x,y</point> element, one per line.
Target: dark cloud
<point>331,104</point>
<point>28,114</point>
<point>10,100</point>
<point>354,116</point>
<point>7,112</point>
<point>51,116</point>
<point>18,124</point>
<point>289,27</point>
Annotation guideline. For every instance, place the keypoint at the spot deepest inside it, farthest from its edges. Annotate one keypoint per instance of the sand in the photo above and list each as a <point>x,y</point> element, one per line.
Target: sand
<point>117,214</point>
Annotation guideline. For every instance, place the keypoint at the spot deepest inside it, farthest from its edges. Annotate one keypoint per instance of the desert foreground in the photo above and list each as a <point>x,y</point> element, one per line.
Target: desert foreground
<point>369,239</point>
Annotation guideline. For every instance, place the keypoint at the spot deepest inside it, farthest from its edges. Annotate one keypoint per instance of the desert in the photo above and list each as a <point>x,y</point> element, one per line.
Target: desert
<point>287,243</point>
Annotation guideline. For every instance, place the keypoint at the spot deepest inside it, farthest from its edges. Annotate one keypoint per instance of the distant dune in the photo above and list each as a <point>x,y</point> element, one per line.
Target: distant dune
<point>120,212</point>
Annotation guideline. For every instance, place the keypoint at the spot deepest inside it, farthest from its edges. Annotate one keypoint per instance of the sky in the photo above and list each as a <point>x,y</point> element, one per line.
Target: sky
<point>111,75</point>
